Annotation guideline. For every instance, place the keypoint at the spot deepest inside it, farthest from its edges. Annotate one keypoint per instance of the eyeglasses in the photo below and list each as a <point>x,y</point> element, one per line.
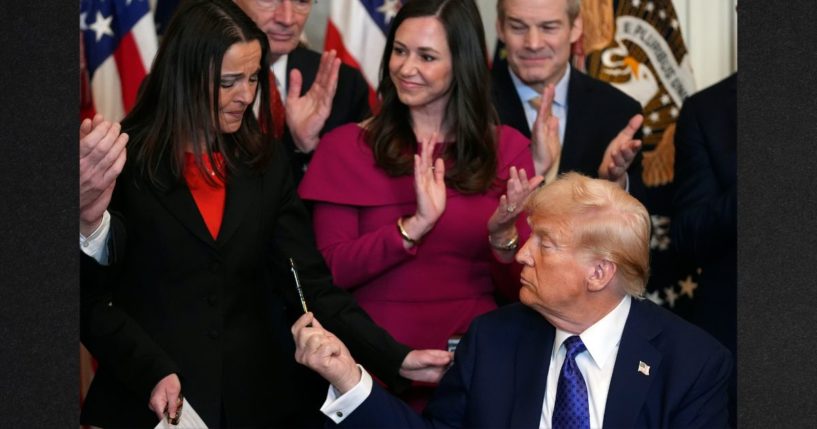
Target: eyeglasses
<point>299,6</point>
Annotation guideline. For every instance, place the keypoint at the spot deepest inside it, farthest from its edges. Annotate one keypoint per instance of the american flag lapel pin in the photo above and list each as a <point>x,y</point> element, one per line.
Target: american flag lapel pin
<point>643,368</point>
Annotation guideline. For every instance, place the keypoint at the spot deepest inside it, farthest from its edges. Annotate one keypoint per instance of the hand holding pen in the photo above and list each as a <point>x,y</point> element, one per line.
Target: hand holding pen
<point>298,287</point>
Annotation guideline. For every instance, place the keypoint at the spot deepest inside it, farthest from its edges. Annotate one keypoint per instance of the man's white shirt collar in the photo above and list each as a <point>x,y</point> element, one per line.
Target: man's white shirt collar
<point>603,337</point>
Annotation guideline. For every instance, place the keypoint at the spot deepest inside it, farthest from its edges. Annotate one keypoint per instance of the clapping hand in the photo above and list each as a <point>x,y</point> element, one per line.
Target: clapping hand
<point>429,186</point>
<point>102,156</point>
<point>306,115</point>
<point>545,145</point>
<point>621,152</point>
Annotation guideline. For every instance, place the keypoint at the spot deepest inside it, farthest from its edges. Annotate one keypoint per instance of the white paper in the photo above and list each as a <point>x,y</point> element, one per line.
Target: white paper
<point>190,419</point>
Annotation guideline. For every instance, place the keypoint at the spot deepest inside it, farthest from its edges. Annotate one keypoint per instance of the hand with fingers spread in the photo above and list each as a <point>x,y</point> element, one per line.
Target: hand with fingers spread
<point>321,351</point>
<point>426,365</point>
<point>621,152</point>
<point>166,397</point>
<point>306,115</point>
<point>502,223</point>
<point>545,145</point>
<point>102,156</point>
<point>429,185</point>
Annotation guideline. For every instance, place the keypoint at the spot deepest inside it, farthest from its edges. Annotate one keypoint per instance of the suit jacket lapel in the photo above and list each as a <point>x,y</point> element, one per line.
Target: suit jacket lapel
<point>579,97</point>
<point>533,352</point>
<point>506,100</point>
<point>178,200</point>
<point>629,386</point>
<point>296,60</point>
<point>243,187</point>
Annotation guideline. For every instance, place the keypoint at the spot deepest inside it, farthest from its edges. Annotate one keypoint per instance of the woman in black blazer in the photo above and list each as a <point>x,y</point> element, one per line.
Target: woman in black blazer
<point>196,294</point>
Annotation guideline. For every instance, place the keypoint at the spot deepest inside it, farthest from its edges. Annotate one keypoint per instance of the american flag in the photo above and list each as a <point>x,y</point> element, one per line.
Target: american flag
<point>119,41</point>
<point>357,31</point>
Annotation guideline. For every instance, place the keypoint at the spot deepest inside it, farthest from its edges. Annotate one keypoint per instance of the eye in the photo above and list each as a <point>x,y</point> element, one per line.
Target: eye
<point>518,28</point>
<point>227,83</point>
<point>428,58</point>
<point>254,78</point>
<point>398,50</point>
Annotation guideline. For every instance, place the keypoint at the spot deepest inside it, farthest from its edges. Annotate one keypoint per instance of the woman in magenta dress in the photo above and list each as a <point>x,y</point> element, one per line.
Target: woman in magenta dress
<point>402,201</point>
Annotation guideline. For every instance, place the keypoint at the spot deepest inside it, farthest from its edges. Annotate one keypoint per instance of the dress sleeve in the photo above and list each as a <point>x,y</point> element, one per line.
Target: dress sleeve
<point>356,258</point>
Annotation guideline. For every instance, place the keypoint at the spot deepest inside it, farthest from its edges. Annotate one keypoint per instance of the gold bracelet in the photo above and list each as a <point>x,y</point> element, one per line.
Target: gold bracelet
<point>511,244</point>
<point>403,232</point>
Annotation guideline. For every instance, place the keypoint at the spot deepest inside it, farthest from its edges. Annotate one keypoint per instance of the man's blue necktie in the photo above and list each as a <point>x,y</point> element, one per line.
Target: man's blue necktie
<point>570,410</point>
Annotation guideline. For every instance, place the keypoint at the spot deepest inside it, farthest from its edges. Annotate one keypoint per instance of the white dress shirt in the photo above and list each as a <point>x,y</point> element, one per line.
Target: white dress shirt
<point>94,245</point>
<point>596,363</point>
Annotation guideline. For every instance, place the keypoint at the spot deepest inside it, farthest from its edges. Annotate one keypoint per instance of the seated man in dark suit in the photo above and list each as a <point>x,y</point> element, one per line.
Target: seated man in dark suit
<point>597,122</point>
<point>283,22</point>
<point>582,349</point>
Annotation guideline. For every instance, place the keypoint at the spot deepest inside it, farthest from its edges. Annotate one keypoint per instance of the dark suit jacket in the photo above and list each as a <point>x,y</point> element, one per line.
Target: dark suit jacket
<point>216,312</point>
<point>596,112</point>
<point>500,373</point>
<point>351,102</point>
<point>704,223</point>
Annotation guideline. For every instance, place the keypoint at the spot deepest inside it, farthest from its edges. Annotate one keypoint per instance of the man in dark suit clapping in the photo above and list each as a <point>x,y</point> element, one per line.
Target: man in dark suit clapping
<point>597,122</point>
<point>283,22</point>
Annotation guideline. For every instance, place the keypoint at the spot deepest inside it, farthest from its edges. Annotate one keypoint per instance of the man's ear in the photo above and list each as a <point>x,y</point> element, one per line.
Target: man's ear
<point>601,274</point>
<point>576,29</point>
<point>499,33</point>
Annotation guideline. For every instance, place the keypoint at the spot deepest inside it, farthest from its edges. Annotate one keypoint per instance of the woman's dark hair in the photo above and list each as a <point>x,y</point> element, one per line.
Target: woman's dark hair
<point>469,112</point>
<point>179,101</point>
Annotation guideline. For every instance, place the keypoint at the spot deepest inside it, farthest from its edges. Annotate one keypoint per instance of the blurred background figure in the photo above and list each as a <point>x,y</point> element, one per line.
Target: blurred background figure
<point>705,218</point>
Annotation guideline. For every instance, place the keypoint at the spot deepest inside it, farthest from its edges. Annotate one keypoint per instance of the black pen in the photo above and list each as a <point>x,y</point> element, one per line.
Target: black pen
<point>298,287</point>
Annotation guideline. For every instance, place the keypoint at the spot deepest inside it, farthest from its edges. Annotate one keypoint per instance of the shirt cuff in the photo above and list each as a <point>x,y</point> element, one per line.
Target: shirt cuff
<point>95,245</point>
<point>338,408</point>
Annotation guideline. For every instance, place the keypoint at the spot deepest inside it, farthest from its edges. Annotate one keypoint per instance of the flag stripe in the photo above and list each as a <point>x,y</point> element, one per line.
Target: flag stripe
<point>130,69</point>
<point>362,37</point>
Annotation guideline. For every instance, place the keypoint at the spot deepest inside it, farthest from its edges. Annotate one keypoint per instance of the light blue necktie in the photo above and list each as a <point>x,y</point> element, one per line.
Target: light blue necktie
<point>570,410</point>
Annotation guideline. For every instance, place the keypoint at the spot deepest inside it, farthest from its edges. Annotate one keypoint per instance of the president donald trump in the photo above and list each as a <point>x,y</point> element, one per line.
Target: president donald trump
<point>581,350</point>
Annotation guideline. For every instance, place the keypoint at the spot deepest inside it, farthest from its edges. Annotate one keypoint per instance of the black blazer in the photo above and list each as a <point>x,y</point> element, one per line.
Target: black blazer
<point>351,102</point>
<point>596,112</point>
<point>704,224</point>
<point>216,312</point>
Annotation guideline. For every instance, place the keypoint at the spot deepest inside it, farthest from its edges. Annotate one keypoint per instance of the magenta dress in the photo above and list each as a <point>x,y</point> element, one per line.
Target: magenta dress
<point>426,294</point>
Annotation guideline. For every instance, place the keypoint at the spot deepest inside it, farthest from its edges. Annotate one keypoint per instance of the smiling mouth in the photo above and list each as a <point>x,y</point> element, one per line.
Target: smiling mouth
<point>408,85</point>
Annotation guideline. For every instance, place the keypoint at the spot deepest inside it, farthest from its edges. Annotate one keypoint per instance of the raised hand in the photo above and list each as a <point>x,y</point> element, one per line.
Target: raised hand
<point>429,186</point>
<point>545,145</point>
<point>512,202</point>
<point>621,152</point>
<point>165,397</point>
<point>425,365</point>
<point>306,115</point>
<point>321,351</point>
<point>102,156</point>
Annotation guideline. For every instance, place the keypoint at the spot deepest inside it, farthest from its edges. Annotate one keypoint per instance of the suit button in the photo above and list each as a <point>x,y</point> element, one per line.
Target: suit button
<point>214,334</point>
<point>212,299</point>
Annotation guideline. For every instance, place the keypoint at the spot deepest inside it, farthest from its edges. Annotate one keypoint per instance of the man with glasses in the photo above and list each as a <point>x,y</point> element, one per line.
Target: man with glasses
<point>283,21</point>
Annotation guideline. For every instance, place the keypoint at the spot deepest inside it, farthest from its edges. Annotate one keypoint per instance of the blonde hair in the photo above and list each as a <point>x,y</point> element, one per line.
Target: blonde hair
<point>603,220</point>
